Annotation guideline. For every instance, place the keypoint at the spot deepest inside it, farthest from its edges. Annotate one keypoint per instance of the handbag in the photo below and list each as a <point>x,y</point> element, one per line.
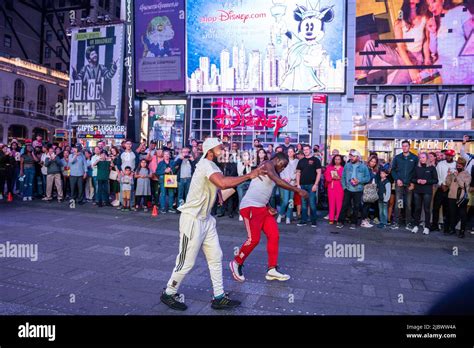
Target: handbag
<point>113,175</point>
<point>171,181</point>
<point>370,194</point>
<point>461,200</point>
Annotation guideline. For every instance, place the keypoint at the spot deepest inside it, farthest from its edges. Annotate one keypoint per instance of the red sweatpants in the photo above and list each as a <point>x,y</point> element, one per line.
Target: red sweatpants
<point>256,220</point>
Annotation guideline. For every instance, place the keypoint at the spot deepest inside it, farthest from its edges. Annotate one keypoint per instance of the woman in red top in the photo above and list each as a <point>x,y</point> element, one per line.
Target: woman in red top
<point>333,175</point>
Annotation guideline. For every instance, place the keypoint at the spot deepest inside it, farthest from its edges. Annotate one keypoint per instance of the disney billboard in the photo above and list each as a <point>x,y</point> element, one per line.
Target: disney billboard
<point>265,46</point>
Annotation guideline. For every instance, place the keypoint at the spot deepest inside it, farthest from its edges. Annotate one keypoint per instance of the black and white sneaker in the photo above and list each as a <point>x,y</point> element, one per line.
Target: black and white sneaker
<point>224,303</point>
<point>352,226</point>
<point>339,225</point>
<point>173,302</point>
<point>237,271</point>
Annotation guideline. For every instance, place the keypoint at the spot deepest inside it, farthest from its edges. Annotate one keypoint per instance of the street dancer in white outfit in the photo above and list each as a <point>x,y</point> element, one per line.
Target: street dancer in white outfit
<point>198,228</point>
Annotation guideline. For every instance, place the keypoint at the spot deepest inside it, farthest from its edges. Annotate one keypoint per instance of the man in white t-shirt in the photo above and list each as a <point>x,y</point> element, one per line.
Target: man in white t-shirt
<point>198,228</point>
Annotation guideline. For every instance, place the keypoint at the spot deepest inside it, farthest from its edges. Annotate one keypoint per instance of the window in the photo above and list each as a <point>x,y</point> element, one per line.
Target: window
<point>61,17</point>
<point>47,52</point>
<point>60,96</point>
<point>49,35</point>
<point>117,12</point>
<point>59,51</point>
<point>59,66</point>
<point>107,5</point>
<point>85,13</point>
<point>49,18</point>
<point>19,96</point>
<point>60,34</point>
<point>62,3</point>
<point>7,41</point>
<point>47,65</point>
<point>101,3</point>
<point>41,100</point>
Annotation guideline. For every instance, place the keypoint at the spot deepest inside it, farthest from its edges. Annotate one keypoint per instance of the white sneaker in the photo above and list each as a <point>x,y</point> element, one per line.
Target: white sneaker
<point>279,219</point>
<point>326,217</point>
<point>415,229</point>
<point>241,218</point>
<point>288,221</point>
<point>426,230</point>
<point>1,197</point>
<point>273,274</point>
<point>25,199</point>
<point>236,270</point>
<point>366,224</point>
<point>30,198</point>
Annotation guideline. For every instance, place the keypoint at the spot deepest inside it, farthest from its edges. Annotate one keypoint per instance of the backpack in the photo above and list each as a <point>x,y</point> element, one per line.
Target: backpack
<point>370,194</point>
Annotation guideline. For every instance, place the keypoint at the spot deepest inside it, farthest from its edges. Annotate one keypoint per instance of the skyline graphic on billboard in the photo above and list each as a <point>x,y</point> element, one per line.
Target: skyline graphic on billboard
<point>265,46</point>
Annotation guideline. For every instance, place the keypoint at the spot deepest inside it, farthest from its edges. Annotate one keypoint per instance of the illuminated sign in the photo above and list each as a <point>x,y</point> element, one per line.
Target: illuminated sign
<point>101,131</point>
<point>230,117</point>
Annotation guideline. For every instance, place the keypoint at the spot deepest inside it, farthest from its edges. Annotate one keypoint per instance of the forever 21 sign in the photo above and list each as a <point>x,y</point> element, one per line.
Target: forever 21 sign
<point>422,105</point>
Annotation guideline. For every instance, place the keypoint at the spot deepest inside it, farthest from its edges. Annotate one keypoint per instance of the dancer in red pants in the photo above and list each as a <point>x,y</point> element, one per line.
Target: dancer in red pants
<point>258,216</point>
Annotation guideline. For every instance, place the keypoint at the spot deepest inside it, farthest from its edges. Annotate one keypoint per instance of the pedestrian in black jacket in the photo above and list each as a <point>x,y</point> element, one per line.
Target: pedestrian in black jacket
<point>424,177</point>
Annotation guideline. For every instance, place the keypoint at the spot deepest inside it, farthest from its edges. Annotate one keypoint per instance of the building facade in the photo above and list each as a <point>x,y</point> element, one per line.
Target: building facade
<point>32,100</point>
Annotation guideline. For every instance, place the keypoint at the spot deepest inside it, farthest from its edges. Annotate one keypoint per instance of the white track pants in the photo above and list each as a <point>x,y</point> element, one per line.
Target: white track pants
<point>194,234</point>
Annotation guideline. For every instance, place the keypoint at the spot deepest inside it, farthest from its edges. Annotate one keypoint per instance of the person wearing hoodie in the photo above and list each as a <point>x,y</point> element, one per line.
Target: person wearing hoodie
<point>424,178</point>
<point>458,182</point>
<point>54,166</point>
<point>78,167</point>
<point>354,176</point>
<point>403,168</point>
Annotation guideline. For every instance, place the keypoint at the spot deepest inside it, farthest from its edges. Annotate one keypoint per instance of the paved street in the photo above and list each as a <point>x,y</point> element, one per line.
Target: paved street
<point>103,261</point>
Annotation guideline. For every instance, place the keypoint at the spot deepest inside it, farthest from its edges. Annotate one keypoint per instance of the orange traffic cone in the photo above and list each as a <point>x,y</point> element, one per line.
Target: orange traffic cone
<point>155,211</point>
<point>10,197</point>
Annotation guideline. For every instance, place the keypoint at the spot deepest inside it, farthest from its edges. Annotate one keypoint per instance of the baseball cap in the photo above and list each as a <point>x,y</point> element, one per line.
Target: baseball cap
<point>450,153</point>
<point>209,144</point>
<point>28,141</point>
<point>355,153</point>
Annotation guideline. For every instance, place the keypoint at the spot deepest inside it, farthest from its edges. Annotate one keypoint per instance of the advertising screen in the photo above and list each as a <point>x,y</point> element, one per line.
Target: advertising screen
<point>404,42</point>
<point>265,46</point>
<point>95,85</point>
<point>159,46</point>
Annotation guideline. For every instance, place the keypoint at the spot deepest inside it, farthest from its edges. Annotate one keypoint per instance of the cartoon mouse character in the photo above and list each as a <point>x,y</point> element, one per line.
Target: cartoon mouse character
<point>306,57</point>
<point>158,33</point>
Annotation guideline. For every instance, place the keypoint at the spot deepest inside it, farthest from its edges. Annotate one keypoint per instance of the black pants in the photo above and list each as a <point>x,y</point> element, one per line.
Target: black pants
<point>138,201</point>
<point>366,209</point>
<point>441,200</point>
<point>457,213</point>
<point>77,187</point>
<point>351,199</point>
<point>423,200</point>
<point>6,176</point>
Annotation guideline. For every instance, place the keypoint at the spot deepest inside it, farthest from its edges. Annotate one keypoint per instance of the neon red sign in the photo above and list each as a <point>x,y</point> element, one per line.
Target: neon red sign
<point>230,117</point>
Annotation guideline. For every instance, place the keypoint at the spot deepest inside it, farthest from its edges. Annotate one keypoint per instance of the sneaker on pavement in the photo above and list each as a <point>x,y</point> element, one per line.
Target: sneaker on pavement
<point>426,230</point>
<point>366,224</point>
<point>352,227</point>
<point>326,217</point>
<point>301,223</point>
<point>394,226</point>
<point>314,225</point>
<point>25,199</point>
<point>380,225</point>
<point>279,219</point>
<point>241,218</point>
<point>224,303</point>
<point>274,274</point>
<point>173,302</point>
<point>1,197</point>
<point>288,221</point>
<point>30,198</point>
<point>410,227</point>
<point>339,225</point>
<point>172,210</point>
<point>376,221</point>
<point>414,229</point>
<point>236,270</point>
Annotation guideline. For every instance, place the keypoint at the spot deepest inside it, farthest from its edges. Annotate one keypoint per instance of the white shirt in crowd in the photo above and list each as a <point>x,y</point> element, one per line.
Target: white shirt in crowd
<point>44,169</point>
<point>202,192</point>
<point>185,170</point>
<point>241,168</point>
<point>443,168</point>
<point>94,160</point>
<point>289,173</point>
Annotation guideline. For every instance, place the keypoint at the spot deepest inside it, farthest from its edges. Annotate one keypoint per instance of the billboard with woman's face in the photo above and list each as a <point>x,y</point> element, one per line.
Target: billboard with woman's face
<point>403,42</point>
<point>265,46</point>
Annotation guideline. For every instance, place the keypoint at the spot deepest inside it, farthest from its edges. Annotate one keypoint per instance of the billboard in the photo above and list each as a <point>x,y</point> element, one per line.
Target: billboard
<point>95,85</point>
<point>159,46</point>
<point>265,46</point>
<point>403,42</point>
